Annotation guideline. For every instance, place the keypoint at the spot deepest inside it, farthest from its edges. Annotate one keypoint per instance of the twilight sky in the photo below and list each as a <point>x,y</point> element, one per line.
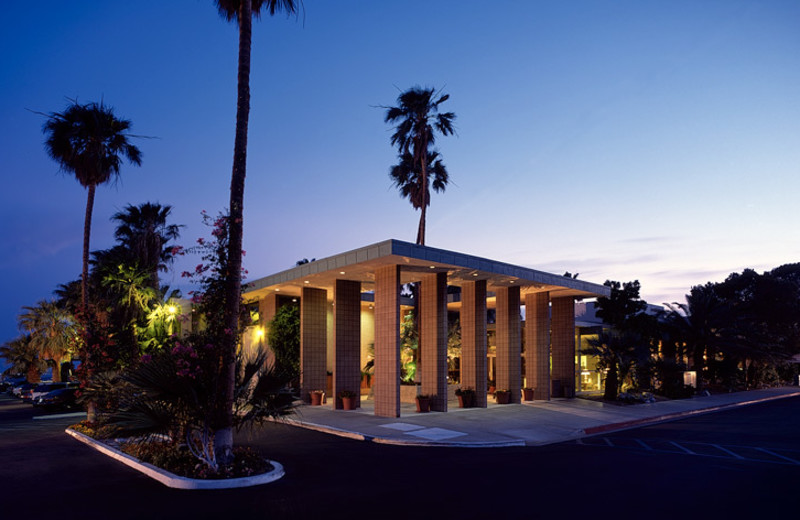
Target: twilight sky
<point>656,140</point>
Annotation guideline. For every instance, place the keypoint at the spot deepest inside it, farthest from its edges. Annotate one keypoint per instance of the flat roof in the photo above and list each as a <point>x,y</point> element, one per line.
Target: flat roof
<point>415,260</point>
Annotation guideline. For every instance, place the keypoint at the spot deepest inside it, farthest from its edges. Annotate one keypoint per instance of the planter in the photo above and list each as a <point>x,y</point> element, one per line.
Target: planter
<point>466,400</point>
<point>502,396</point>
<point>527,394</point>
<point>348,403</point>
<point>423,404</point>
<point>176,481</point>
<point>316,398</point>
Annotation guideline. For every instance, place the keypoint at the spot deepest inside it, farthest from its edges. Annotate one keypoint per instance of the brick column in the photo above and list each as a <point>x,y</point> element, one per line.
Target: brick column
<point>537,343</point>
<point>267,307</point>
<point>563,324</point>
<point>386,385</point>
<point>313,341</point>
<point>509,346</point>
<point>433,321</point>
<point>473,339</point>
<point>347,339</point>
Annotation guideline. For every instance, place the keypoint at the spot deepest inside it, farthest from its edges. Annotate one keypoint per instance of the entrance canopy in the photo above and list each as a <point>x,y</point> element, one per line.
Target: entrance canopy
<point>415,261</point>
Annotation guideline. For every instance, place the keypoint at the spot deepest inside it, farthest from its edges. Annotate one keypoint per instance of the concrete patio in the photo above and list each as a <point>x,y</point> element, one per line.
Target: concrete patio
<point>533,423</point>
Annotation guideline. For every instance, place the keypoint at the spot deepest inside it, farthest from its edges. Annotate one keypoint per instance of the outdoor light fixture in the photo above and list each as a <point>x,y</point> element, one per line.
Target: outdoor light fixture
<point>306,281</point>
<point>341,272</point>
<point>433,267</point>
<point>277,290</point>
<point>260,332</point>
<point>294,300</point>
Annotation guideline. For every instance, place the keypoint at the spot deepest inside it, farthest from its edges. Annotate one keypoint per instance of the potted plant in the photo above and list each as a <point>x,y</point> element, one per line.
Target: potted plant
<point>348,399</point>
<point>527,394</point>
<point>503,396</point>
<point>492,386</point>
<point>316,397</point>
<point>466,397</point>
<point>423,403</point>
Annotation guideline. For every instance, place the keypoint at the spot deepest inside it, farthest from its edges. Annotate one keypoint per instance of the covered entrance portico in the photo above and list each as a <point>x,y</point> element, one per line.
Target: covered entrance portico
<point>330,292</point>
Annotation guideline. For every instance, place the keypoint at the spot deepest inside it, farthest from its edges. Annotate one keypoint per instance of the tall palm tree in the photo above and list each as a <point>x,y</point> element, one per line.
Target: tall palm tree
<point>242,12</point>
<point>417,120</point>
<point>23,358</point>
<point>52,333</point>
<point>90,142</point>
<point>704,325</point>
<point>144,232</point>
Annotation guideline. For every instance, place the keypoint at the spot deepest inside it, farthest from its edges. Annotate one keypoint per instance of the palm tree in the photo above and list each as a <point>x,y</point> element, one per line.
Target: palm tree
<point>703,324</point>
<point>52,333</point>
<point>616,353</point>
<point>144,232</point>
<point>89,141</point>
<point>417,119</point>
<point>412,186</point>
<point>241,11</point>
<point>23,358</point>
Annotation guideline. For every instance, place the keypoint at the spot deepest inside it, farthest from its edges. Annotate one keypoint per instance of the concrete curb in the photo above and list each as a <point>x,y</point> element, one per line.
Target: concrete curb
<point>626,425</point>
<point>175,481</point>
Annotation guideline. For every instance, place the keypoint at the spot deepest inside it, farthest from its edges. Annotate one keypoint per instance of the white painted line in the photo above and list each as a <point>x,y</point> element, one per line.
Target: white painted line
<point>608,441</point>
<point>729,452</point>
<point>778,455</point>
<point>59,416</point>
<point>643,445</point>
<point>174,481</point>
<point>687,450</point>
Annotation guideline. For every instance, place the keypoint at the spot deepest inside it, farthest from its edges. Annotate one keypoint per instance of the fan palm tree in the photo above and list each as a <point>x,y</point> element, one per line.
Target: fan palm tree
<point>90,142</point>
<point>703,324</point>
<point>412,186</point>
<point>242,12</point>
<point>417,120</point>
<point>23,358</point>
<point>52,333</point>
<point>144,232</point>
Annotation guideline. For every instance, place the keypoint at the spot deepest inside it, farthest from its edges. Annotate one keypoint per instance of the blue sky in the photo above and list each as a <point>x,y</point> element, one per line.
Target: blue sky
<point>656,140</point>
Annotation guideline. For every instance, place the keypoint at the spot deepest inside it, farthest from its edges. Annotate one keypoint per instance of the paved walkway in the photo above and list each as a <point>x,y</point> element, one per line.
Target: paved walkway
<point>528,424</point>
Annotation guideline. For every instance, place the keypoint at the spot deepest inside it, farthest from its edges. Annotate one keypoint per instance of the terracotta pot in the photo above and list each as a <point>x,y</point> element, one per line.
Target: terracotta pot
<point>316,398</point>
<point>465,401</point>
<point>527,394</point>
<point>502,397</point>
<point>348,403</point>
<point>423,404</point>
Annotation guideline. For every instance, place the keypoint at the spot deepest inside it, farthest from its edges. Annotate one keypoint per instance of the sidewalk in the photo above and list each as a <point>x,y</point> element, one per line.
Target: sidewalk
<point>529,424</point>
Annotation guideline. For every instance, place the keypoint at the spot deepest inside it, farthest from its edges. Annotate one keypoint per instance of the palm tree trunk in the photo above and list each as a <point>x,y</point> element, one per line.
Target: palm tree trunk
<point>421,227</point>
<point>425,193</point>
<point>91,408</point>
<point>223,438</point>
<point>87,231</point>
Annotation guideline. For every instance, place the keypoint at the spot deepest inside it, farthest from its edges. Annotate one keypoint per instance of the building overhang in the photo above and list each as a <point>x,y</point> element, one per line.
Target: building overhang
<point>414,261</point>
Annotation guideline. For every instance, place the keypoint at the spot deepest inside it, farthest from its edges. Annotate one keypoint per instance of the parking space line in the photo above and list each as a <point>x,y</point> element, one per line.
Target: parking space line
<point>687,450</point>
<point>643,445</point>
<point>729,452</point>
<point>778,455</point>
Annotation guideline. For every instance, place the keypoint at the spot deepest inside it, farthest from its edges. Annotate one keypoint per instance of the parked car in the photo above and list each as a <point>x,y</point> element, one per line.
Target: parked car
<point>63,398</point>
<point>49,387</point>
<point>8,383</point>
<point>17,390</point>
